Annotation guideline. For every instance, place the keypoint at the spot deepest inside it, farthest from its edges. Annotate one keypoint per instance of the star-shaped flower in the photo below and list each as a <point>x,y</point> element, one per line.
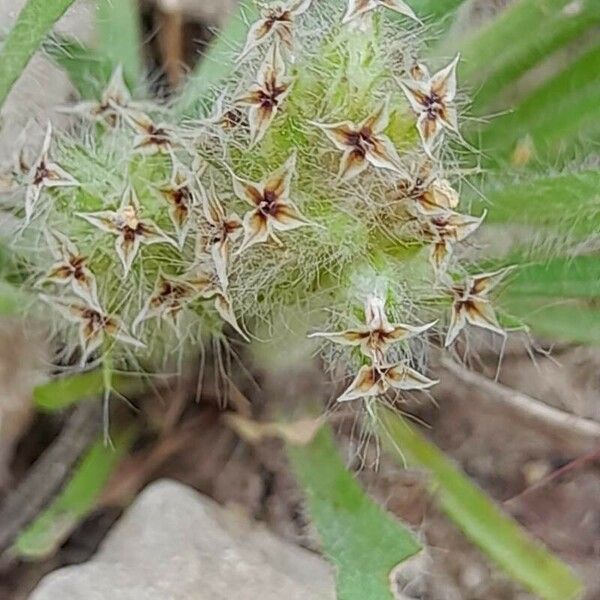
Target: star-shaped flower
<point>181,197</point>
<point>272,208</point>
<point>444,229</point>
<point>44,174</point>
<point>265,97</point>
<point>114,102</point>
<point>70,268</point>
<point>378,335</point>
<point>172,294</point>
<point>94,325</point>
<point>151,138</point>
<point>432,100</point>
<point>377,380</point>
<point>130,229</point>
<point>276,20</point>
<point>363,144</point>
<point>357,8</point>
<point>472,304</point>
<point>428,193</point>
<point>219,231</point>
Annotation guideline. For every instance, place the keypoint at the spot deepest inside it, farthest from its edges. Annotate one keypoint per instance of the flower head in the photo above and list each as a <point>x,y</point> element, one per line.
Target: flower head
<point>94,325</point>
<point>272,208</point>
<point>70,268</point>
<point>276,21</point>
<point>378,335</point>
<point>44,174</point>
<point>432,100</point>
<point>363,144</point>
<point>356,8</point>
<point>216,237</point>
<point>377,380</point>
<point>130,229</point>
<point>472,305</point>
<point>266,96</point>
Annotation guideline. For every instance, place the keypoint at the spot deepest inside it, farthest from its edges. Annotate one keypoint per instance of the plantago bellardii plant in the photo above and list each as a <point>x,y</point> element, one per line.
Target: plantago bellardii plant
<point>323,177</point>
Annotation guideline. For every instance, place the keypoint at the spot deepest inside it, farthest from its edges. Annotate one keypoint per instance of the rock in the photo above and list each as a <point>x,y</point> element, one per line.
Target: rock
<point>174,544</point>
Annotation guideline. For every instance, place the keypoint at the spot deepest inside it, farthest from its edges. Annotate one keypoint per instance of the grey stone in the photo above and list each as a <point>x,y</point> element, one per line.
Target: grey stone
<point>174,544</point>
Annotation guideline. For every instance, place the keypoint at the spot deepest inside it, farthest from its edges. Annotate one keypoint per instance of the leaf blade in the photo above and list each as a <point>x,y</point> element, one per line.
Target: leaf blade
<point>497,534</point>
<point>362,541</point>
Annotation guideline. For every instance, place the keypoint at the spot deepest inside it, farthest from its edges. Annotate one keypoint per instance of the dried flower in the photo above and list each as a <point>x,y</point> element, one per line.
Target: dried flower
<point>357,8</point>
<point>445,229</point>
<point>272,208</point>
<point>71,268</point>
<point>151,138</point>
<point>220,231</point>
<point>363,144</point>
<point>277,20</point>
<point>472,305</point>
<point>377,380</point>
<point>181,198</point>
<point>131,231</point>
<point>94,325</point>
<point>266,96</point>
<point>114,103</point>
<point>432,100</point>
<point>378,335</point>
<point>44,174</point>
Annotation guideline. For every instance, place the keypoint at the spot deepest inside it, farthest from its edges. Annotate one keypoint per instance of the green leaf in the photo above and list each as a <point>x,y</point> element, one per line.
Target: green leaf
<point>568,203</point>
<point>88,70</point>
<point>499,53</point>
<point>62,392</point>
<point>32,25</point>
<point>497,534</point>
<point>360,539</point>
<point>569,320</point>
<point>555,117</point>
<point>76,500</point>
<point>219,60</point>
<point>557,279</point>
<point>120,38</point>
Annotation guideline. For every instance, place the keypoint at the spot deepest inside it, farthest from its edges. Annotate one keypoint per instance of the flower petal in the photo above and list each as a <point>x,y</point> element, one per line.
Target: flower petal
<point>248,191</point>
<point>356,8</point>
<point>481,314</point>
<point>367,383</point>
<point>457,323</point>
<point>383,154</point>
<point>225,310</point>
<point>400,7</point>
<point>258,33</point>
<point>279,182</point>
<point>256,230</point>
<point>443,83</point>
<point>350,337</point>
<point>379,120</point>
<point>105,220</point>
<point>402,377</point>
<point>286,217</point>
<point>429,129</point>
<point>127,248</point>
<point>32,196</point>
<point>352,163</point>
<point>404,332</point>
<point>416,93</point>
<point>57,177</point>
<point>259,118</point>
<point>341,134</point>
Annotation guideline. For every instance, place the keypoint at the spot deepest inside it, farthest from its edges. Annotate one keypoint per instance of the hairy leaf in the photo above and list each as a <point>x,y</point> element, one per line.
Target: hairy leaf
<point>358,537</point>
